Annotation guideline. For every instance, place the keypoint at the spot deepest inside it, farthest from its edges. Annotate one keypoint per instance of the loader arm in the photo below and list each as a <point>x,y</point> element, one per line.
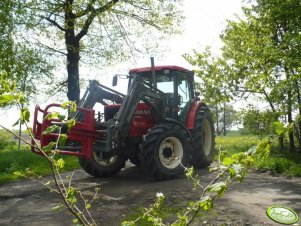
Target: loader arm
<point>138,90</point>
<point>97,93</point>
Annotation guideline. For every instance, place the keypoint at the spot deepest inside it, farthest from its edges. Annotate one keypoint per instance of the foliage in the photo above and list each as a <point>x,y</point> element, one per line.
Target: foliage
<point>259,123</point>
<point>269,157</point>
<point>19,60</point>
<point>260,56</point>
<point>98,32</point>
<point>279,163</point>
<point>6,141</point>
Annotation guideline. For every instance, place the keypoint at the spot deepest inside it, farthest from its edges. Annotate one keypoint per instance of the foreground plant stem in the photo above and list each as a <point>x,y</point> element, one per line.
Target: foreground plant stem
<point>54,175</point>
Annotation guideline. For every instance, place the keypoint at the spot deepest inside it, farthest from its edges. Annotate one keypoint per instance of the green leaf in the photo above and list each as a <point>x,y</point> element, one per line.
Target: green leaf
<point>128,223</point>
<point>70,123</point>
<point>70,197</point>
<point>51,129</point>
<point>219,188</point>
<point>49,147</point>
<point>25,115</point>
<point>58,207</point>
<point>189,172</point>
<point>60,163</point>
<point>20,98</point>
<point>69,105</point>
<point>228,161</point>
<point>279,128</point>
<point>206,203</point>
<point>52,115</point>
<point>13,86</point>
<point>237,167</point>
<point>75,220</point>
<point>62,140</point>
<point>232,172</point>
<point>16,123</point>
<point>6,99</point>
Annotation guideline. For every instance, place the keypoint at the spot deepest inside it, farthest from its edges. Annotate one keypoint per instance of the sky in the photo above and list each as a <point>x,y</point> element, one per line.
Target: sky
<point>205,20</point>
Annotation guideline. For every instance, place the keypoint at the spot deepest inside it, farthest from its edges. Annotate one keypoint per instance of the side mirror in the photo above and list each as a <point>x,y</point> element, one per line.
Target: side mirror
<point>115,79</point>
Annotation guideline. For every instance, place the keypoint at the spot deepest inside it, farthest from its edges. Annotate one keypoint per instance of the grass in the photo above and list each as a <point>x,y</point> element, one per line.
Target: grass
<point>235,144</point>
<point>12,160</point>
<point>284,162</point>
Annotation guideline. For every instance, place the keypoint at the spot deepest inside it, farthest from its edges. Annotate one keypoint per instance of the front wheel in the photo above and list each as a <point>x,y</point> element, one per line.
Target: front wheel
<point>103,164</point>
<point>165,151</point>
<point>203,136</point>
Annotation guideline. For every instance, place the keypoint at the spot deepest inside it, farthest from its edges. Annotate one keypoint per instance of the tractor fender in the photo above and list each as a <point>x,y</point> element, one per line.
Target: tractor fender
<point>192,112</point>
<point>171,120</point>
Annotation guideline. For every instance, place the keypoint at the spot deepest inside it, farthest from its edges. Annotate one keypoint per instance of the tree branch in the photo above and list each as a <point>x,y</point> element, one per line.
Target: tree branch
<point>50,48</point>
<point>87,10</point>
<point>138,18</point>
<point>91,17</point>
<point>53,22</point>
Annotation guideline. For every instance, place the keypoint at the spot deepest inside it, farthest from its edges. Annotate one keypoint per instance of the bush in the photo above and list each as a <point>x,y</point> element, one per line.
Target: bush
<point>284,162</point>
<point>294,170</point>
<point>273,164</point>
<point>6,141</point>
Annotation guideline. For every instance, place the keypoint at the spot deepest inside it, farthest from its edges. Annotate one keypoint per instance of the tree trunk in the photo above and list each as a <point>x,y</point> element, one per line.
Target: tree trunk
<point>299,107</point>
<point>224,120</point>
<point>73,76</point>
<point>72,45</point>
<point>289,111</point>
<point>217,118</point>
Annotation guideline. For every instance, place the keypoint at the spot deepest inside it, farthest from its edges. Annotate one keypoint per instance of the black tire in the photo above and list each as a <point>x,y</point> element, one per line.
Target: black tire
<point>204,137</point>
<point>165,162</point>
<point>108,166</point>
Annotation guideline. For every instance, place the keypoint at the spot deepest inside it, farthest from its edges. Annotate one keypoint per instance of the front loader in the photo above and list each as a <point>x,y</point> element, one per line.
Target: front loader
<point>160,125</point>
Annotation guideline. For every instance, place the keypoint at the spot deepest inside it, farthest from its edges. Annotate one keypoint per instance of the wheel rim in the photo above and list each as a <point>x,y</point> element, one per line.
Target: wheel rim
<point>171,152</point>
<point>105,161</point>
<point>207,137</point>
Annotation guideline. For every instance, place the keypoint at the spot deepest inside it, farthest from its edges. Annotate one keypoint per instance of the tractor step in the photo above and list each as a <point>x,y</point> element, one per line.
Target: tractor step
<point>102,131</point>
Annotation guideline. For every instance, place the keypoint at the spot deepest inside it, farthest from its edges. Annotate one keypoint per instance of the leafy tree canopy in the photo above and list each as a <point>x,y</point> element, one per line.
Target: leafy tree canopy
<point>98,32</point>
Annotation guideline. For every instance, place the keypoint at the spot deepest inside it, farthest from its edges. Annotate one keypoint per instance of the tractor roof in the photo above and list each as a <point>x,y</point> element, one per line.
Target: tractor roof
<point>158,68</point>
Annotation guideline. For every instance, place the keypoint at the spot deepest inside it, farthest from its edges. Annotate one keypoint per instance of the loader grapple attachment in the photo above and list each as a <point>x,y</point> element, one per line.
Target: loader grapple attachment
<point>80,138</point>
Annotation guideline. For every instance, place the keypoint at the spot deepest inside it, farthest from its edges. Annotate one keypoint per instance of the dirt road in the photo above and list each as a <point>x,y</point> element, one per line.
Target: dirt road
<point>28,203</point>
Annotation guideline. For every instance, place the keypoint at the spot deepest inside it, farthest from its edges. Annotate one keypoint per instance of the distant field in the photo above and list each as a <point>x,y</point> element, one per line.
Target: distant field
<point>235,143</point>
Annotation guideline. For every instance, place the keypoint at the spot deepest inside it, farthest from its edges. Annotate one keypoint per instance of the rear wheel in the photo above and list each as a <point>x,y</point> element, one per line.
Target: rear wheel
<point>165,150</point>
<point>203,136</point>
<point>103,164</point>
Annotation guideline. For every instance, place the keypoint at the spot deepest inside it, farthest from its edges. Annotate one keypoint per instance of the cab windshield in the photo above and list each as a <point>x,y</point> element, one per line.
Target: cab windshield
<point>165,81</point>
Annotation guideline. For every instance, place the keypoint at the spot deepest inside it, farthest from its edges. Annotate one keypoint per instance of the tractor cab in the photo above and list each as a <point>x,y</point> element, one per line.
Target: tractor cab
<point>175,82</point>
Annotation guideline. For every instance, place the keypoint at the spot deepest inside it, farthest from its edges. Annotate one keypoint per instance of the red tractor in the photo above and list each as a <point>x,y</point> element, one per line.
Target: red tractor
<point>160,125</point>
